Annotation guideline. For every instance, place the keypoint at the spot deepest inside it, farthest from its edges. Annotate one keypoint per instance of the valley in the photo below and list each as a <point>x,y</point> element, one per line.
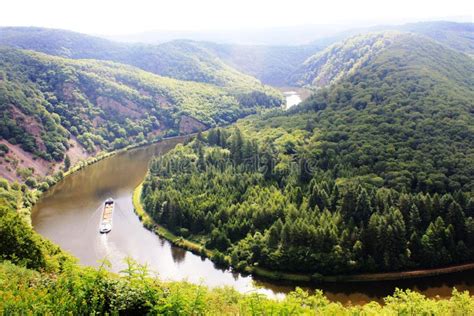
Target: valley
<point>334,175</point>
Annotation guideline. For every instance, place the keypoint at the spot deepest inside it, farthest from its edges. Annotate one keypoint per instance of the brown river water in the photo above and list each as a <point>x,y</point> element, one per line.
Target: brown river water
<point>69,214</point>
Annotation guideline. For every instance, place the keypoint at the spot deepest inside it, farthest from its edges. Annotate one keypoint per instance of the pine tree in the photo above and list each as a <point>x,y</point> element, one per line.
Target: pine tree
<point>470,208</point>
<point>318,198</point>
<point>334,200</point>
<point>363,208</point>
<point>67,163</point>
<point>433,243</point>
<point>395,243</point>
<point>273,237</point>
<point>414,219</point>
<point>348,203</point>
<point>456,217</point>
<point>236,146</point>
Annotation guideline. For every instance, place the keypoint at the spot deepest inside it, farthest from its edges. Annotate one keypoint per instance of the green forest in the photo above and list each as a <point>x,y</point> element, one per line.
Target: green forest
<point>46,100</point>
<point>372,174</point>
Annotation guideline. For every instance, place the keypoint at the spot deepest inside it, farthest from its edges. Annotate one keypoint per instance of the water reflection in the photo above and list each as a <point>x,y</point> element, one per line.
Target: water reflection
<point>178,254</point>
<point>292,99</point>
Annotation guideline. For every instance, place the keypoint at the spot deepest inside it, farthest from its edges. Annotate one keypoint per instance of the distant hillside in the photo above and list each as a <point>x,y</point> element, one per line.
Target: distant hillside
<point>342,59</point>
<point>345,57</point>
<point>458,36</point>
<point>271,64</point>
<point>455,35</point>
<point>223,64</point>
<point>46,100</point>
<point>353,48</point>
<point>280,65</point>
<point>180,59</point>
<point>184,60</point>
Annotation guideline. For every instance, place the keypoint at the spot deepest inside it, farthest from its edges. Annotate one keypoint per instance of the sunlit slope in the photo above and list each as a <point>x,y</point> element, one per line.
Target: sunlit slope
<point>45,100</point>
<point>342,59</point>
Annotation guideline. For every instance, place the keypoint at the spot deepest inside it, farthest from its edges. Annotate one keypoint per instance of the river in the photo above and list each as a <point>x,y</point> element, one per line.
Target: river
<point>69,213</point>
<point>292,98</point>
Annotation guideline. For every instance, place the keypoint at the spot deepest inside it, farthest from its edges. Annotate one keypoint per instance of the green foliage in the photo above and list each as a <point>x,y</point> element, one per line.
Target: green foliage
<point>3,150</point>
<point>209,62</point>
<point>19,243</point>
<point>405,116</point>
<point>31,182</point>
<point>343,59</point>
<point>85,291</point>
<point>36,277</point>
<point>25,173</point>
<point>269,214</point>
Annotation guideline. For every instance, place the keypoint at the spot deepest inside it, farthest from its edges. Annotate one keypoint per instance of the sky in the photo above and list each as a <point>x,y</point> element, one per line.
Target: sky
<point>114,17</point>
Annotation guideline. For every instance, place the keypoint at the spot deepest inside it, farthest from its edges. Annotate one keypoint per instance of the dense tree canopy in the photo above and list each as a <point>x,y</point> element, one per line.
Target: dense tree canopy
<point>238,198</point>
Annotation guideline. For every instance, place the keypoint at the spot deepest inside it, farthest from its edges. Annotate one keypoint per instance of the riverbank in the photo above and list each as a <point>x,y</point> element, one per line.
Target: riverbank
<point>151,225</point>
<point>196,248</point>
<point>37,194</point>
<point>102,155</point>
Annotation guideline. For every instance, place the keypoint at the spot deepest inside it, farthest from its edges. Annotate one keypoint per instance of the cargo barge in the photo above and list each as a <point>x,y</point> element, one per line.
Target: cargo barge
<point>107,216</point>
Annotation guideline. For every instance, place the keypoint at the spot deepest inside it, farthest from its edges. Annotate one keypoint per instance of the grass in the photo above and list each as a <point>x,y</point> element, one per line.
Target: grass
<point>138,207</point>
<point>87,291</point>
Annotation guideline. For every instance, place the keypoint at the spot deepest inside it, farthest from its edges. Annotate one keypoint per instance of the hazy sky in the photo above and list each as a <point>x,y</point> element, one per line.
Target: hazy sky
<point>129,16</point>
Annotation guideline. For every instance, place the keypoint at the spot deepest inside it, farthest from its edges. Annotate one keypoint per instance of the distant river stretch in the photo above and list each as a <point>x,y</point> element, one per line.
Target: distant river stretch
<point>292,99</point>
<point>69,216</point>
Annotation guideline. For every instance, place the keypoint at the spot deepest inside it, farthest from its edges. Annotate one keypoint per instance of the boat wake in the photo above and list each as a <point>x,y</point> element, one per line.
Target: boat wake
<point>93,216</point>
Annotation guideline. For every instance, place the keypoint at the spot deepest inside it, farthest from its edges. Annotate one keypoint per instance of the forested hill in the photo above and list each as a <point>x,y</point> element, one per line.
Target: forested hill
<point>46,100</point>
<point>412,92</point>
<point>184,60</point>
<point>220,64</point>
<point>345,57</point>
<point>342,59</point>
<point>276,65</point>
<point>457,36</point>
<point>374,173</point>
